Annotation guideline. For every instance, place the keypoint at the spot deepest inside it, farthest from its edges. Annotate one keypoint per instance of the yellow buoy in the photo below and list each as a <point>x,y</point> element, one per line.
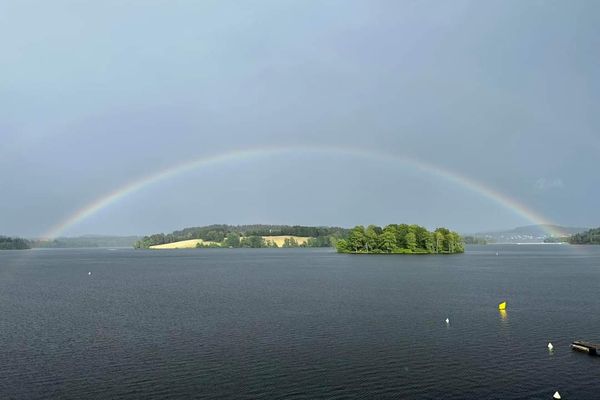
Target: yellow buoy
<point>502,306</point>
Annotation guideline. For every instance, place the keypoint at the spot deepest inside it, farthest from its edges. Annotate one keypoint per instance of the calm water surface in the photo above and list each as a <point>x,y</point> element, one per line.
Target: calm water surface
<point>299,324</point>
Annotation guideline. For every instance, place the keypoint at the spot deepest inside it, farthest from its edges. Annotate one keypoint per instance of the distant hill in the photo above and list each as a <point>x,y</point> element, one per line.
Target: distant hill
<point>247,236</point>
<point>267,241</point>
<point>87,241</point>
<point>528,234</point>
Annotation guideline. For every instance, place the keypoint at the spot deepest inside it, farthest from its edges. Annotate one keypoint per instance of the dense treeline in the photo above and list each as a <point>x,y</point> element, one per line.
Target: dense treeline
<point>234,240</point>
<point>589,237</point>
<point>246,235</point>
<point>8,243</point>
<point>86,241</point>
<point>400,239</point>
<point>474,240</point>
<point>558,239</point>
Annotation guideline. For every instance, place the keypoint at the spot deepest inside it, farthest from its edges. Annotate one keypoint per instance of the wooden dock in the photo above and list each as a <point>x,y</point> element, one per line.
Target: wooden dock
<point>586,347</point>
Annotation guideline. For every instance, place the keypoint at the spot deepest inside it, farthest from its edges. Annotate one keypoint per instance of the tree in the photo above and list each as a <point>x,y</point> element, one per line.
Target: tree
<point>387,241</point>
<point>357,238</point>
<point>401,231</point>
<point>459,246</point>
<point>232,239</point>
<point>254,242</point>
<point>290,242</point>
<point>411,241</point>
<point>424,241</point>
<point>449,243</point>
<point>428,239</point>
<point>371,237</point>
<point>439,241</point>
<point>341,246</point>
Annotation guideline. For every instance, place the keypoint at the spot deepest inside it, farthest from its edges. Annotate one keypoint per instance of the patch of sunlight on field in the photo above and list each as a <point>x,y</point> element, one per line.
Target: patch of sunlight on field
<point>280,239</point>
<point>191,244</point>
<point>183,244</point>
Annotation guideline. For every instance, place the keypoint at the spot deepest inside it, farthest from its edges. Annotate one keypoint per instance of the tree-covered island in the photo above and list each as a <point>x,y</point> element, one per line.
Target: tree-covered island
<point>400,239</point>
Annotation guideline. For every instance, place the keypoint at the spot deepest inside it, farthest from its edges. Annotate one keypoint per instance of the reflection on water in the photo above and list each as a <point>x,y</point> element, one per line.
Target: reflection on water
<point>503,315</point>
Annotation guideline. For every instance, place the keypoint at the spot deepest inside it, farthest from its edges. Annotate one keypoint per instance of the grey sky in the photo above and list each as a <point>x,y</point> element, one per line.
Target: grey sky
<point>97,94</point>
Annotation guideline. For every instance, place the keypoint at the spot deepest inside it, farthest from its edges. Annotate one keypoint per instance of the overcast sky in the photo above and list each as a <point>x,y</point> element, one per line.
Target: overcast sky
<point>97,94</point>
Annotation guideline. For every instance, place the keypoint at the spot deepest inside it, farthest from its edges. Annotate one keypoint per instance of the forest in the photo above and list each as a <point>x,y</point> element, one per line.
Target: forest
<point>247,235</point>
<point>8,243</point>
<point>474,240</point>
<point>589,237</point>
<point>87,241</point>
<point>400,239</point>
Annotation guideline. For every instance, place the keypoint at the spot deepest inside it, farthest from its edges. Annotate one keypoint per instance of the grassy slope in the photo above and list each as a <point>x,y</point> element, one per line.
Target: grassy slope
<point>184,244</point>
<point>280,239</point>
<point>190,244</point>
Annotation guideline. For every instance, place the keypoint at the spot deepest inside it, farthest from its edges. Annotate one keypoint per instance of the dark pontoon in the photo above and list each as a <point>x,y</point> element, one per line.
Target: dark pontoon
<point>586,347</point>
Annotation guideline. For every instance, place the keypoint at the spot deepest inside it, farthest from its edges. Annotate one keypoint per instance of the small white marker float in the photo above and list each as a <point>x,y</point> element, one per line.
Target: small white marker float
<point>556,395</point>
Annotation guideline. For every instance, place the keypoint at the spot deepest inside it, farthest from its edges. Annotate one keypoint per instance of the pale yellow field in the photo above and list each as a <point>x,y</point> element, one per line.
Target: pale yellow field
<point>191,244</point>
<point>280,239</point>
<point>184,244</point>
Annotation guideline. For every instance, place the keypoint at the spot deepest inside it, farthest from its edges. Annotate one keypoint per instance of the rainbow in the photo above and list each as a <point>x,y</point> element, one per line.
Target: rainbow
<point>257,153</point>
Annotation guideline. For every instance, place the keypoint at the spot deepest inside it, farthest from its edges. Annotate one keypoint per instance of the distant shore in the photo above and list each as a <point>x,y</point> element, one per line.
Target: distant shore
<point>270,241</point>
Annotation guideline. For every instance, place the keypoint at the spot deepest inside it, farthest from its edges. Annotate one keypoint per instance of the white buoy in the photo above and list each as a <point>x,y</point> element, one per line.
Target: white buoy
<point>556,395</point>
<point>550,347</point>
<point>447,321</point>
<point>89,273</point>
<point>496,253</point>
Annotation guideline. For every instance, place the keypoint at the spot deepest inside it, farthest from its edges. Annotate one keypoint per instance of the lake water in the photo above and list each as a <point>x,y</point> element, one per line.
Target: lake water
<point>298,324</point>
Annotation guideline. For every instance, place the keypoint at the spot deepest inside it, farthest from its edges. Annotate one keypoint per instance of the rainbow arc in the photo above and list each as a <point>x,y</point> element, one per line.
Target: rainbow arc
<point>257,153</point>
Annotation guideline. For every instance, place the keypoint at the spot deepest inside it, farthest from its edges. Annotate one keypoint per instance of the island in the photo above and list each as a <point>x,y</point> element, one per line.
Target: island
<point>400,239</point>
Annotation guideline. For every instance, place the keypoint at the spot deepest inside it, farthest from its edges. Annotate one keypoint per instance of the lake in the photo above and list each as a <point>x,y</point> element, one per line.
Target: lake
<point>298,324</point>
